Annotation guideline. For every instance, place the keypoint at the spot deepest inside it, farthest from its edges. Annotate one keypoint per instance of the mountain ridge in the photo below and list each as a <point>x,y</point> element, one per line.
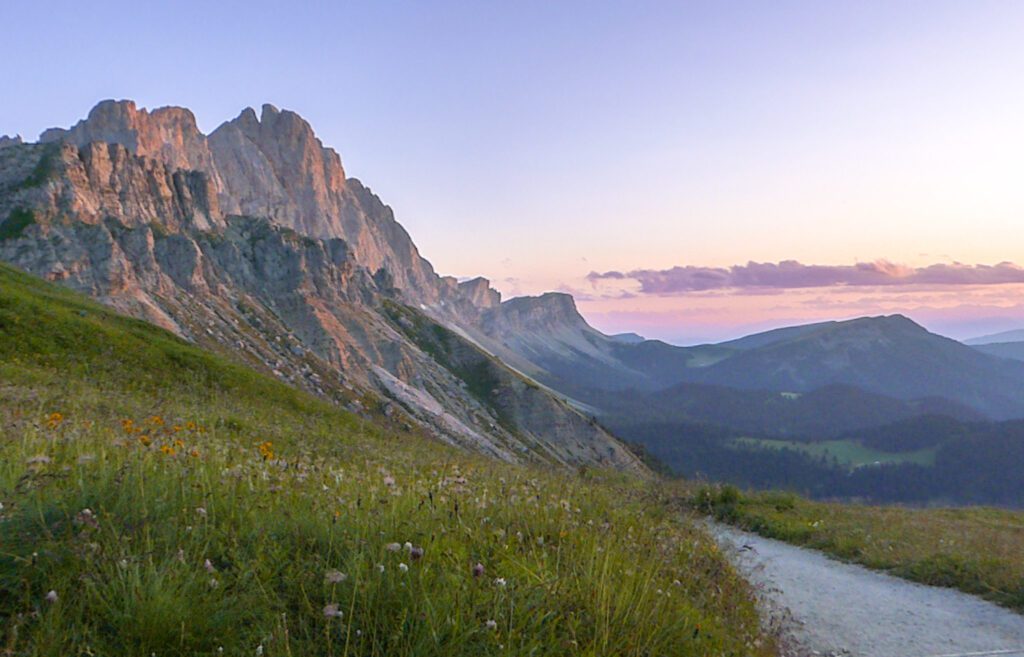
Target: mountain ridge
<point>304,302</point>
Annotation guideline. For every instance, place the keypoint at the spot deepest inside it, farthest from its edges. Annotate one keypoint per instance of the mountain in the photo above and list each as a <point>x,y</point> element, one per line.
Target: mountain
<point>888,356</point>
<point>1016,335</point>
<point>1011,350</point>
<point>252,241</point>
<point>547,338</point>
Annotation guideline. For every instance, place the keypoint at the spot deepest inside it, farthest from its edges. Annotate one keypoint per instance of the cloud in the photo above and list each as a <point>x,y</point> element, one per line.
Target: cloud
<point>761,277</point>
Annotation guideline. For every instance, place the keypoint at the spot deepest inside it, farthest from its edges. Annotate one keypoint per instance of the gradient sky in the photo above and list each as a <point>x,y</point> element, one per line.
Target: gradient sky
<point>536,143</point>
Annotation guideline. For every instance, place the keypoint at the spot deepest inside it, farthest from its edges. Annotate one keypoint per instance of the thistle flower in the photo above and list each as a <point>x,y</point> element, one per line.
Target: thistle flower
<point>332,611</point>
<point>201,511</point>
<point>491,625</point>
<point>393,547</point>
<point>389,481</point>
<point>208,565</point>
<point>416,553</point>
<point>500,582</point>
<point>334,577</point>
<point>478,570</point>
<point>51,597</point>
<point>404,568</point>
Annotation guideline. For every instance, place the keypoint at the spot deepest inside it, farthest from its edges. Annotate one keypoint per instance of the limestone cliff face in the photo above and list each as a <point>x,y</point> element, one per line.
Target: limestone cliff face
<point>167,134</point>
<point>253,241</point>
<point>273,166</point>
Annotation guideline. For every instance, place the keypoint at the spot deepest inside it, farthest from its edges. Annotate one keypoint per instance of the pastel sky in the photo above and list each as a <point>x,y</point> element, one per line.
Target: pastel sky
<point>536,143</point>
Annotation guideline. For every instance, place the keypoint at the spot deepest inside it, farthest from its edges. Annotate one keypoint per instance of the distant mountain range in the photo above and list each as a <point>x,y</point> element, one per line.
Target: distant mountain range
<point>889,357</point>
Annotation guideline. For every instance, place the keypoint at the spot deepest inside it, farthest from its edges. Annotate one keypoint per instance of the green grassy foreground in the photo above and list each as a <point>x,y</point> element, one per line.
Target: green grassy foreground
<point>159,500</point>
<point>977,550</point>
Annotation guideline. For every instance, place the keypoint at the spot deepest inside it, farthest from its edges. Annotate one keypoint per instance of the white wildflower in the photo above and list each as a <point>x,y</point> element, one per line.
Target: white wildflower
<point>335,577</point>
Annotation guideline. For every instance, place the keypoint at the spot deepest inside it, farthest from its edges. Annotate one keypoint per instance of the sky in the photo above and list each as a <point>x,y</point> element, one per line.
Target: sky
<point>691,171</point>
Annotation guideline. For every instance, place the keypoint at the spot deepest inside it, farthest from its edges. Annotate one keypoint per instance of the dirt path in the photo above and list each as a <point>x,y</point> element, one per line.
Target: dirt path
<point>832,608</point>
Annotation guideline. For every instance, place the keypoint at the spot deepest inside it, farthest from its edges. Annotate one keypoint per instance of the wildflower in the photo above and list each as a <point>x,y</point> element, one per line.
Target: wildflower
<point>214,583</point>
<point>332,611</point>
<point>491,625</point>
<point>389,481</point>
<point>208,565</point>
<point>194,453</point>
<point>144,440</point>
<point>53,420</point>
<point>259,650</point>
<point>478,570</point>
<point>335,577</point>
<point>86,517</point>
<point>128,426</point>
<point>179,443</point>
<point>156,421</point>
<point>404,568</point>
<point>266,450</point>
<point>416,553</point>
<point>51,597</point>
<point>201,511</point>
<point>408,546</point>
<point>167,449</point>
<point>393,547</point>
<point>380,568</point>
<point>500,582</point>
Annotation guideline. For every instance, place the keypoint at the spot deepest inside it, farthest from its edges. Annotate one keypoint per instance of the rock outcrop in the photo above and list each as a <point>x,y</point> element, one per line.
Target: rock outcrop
<point>253,241</point>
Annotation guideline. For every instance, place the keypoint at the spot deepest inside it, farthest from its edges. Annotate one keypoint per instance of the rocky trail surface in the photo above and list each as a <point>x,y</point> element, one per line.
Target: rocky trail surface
<point>826,607</point>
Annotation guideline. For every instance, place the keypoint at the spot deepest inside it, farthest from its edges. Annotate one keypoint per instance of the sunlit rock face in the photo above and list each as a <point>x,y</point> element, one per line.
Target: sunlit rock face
<point>252,240</point>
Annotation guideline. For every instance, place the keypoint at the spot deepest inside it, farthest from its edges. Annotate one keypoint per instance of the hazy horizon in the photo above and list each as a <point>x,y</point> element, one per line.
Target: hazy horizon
<point>689,173</point>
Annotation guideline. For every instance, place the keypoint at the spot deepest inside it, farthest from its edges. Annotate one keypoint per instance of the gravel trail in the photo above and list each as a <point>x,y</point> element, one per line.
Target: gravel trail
<point>831,608</point>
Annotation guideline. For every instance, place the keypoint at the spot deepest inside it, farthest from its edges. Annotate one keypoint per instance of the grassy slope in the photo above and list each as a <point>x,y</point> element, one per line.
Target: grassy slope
<point>176,503</point>
<point>977,550</point>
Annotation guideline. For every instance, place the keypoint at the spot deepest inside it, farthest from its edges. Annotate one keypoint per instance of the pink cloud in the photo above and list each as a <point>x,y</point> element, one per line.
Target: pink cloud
<point>756,277</point>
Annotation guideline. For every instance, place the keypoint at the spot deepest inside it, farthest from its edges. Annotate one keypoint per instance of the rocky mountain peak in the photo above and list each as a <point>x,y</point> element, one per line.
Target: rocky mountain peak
<point>548,312</point>
<point>479,292</point>
<point>167,134</point>
<point>271,165</point>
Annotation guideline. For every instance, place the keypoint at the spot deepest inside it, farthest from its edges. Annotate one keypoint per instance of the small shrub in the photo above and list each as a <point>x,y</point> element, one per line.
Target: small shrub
<point>16,223</point>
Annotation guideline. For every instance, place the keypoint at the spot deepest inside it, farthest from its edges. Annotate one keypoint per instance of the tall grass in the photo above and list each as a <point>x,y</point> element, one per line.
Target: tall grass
<point>158,500</point>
